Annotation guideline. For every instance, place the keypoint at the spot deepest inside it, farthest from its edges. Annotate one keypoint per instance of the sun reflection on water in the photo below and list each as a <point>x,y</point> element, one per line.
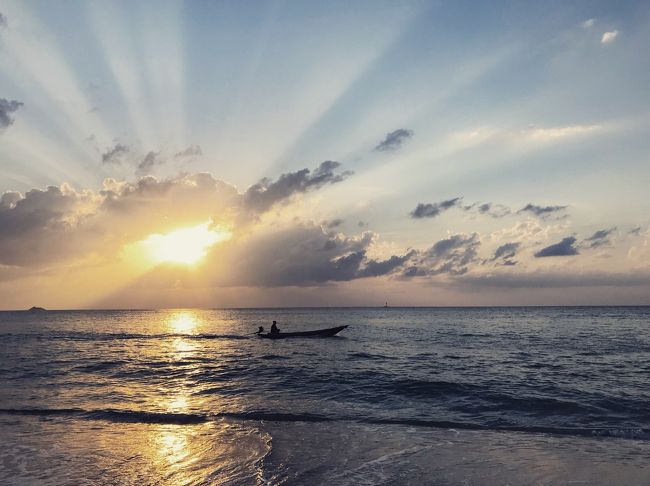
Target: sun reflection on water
<point>172,446</point>
<point>183,322</point>
<point>181,345</point>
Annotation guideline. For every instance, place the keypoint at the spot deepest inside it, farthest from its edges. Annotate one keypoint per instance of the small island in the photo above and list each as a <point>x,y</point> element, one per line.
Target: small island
<point>36,309</point>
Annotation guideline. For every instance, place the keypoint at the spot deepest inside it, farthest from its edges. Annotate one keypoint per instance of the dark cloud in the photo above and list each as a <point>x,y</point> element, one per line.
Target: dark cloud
<point>191,151</point>
<point>394,140</point>
<point>566,247</point>
<point>261,196</point>
<point>148,162</point>
<point>507,250</point>
<point>541,211</point>
<point>505,253</point>
<point>334,223</point>
<point>489,209</point>
<point>600,238</point>
<point>362,224</point>
<point>451,255</point>
<point>329,245</point>
<point>114,154</point>
<point>635,231</point>
<point>299,255</point>
<point>3,20</point>
<point>7,107</point>
<point>376,268</point>
<point>431,210</point>
<point>37,227</point>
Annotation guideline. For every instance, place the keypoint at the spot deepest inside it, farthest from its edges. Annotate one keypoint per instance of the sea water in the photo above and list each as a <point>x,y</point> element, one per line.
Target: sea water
<point>402,396</point>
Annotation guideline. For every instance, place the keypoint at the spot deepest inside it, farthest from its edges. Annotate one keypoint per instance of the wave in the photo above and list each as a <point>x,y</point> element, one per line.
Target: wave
<point>134,416</point>
<point>115,416</point>
<point>427,389</point>
<point>369,356</point>
<point>273,357</point>
<point>118,336</point>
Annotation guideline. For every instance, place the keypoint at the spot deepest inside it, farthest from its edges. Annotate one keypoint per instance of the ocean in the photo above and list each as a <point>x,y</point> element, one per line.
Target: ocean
<point>416,396</point>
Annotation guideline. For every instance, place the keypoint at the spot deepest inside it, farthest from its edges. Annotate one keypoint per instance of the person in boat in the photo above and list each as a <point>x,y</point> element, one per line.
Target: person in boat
<point>274,328</point>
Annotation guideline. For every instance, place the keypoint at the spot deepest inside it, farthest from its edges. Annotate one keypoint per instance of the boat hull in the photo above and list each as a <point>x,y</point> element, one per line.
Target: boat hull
<point>332,331</point>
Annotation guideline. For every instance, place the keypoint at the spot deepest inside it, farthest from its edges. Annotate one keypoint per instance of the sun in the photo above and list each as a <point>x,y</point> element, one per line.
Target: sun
<point>186,245</point>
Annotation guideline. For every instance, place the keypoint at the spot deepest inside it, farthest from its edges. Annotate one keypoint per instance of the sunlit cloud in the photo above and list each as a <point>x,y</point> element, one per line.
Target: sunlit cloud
<point>609,37</point>
<point>185,245</point>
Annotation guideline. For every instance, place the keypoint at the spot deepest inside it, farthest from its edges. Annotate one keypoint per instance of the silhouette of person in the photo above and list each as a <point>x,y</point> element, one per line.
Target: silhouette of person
<point>260,330</point>
<point>274,328</point>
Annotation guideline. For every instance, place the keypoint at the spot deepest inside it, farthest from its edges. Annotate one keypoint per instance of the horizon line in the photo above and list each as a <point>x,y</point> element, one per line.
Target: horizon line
<point>156,309</point>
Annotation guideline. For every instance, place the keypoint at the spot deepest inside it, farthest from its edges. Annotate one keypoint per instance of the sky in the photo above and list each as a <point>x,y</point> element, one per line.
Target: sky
<point>294,153</point>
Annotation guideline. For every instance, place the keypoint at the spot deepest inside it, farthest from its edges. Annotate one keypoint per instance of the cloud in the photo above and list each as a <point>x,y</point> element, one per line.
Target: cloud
<point>299,255</point>
<point>490,209</point>
<point>451,255</point>
<point>334,223</point>
<point>47,228</point>
<point>189,152</point>
<point>261,196</point>
<point>547,134</point>
<point>58,224</point>
<point>38,226</point>
<point>7,107</point>
<point>588,23</point>
<point>600,238</point>
<point>541,211</point>
<point>3,20</point>
<point>431,210</point>
<point>563,248</point>
<point>635,231</point>
<point>376,268</point>
<point>115,154</point>
<point>506,253</point>
<point>609,37</point>
<point>147,163</point>
<point>394,140</point>
<point>51,226</point>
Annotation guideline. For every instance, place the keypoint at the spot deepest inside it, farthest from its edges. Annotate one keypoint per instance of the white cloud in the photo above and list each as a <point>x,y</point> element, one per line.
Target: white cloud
<point>609,37</point>
<point>588,23</point>
<point>551,133</point>
<point>532,133</point>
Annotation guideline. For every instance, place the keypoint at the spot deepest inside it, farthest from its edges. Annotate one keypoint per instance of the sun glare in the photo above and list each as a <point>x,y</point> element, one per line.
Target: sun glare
<point>186,245</point>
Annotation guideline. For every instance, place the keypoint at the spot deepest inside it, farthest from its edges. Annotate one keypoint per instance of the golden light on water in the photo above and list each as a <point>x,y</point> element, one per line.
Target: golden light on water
<point>186,245</point>
<point>183,322</point>
<point>172,446</point>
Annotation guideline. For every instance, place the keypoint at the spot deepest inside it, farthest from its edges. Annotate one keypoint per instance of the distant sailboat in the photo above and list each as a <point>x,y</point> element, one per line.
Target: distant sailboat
<point>386,305</point>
